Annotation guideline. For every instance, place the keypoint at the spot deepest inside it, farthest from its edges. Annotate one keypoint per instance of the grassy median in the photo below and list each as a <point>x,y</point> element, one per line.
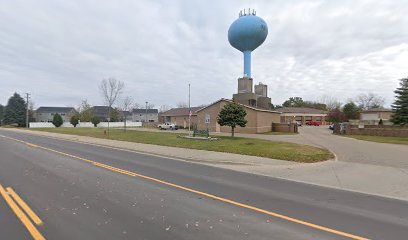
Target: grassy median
<point>245,146</point>
<point>380,139</point>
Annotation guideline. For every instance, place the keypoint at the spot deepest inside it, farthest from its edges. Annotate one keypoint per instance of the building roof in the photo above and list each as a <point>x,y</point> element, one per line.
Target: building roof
<point>127,113</point>
<point>301,110</point>
<point>230,101</point>
<point>143,110</point>
<point>100,110</point>
<point>55,109</point>
<point>378,110</point>
<point>181,111</point>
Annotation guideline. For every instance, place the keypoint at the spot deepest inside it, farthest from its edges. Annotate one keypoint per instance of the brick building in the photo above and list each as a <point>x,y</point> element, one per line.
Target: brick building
<point>259,120</point>
<point>302,115</point>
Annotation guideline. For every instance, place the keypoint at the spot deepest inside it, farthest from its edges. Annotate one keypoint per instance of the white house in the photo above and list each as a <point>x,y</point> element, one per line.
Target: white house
<point>143,115</point>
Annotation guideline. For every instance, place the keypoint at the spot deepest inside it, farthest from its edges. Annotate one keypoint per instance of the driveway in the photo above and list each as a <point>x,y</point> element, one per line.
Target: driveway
<point>346,149</point>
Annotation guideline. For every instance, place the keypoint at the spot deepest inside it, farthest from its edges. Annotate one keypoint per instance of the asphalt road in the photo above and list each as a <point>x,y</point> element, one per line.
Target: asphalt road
<point>78,198</point>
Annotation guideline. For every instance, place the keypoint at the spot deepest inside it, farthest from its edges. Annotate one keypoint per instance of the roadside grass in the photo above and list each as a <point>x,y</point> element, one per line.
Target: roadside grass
<point>280,133</point>
<point>380,139</point>
<point>238,145</point>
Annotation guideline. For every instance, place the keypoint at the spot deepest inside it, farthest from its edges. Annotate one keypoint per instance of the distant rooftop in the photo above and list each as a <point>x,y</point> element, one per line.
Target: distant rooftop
<point>378,110</point>
<point>55,109</point>
<point>143,110</point>
<point>181,111</point>
<point>300,110</point>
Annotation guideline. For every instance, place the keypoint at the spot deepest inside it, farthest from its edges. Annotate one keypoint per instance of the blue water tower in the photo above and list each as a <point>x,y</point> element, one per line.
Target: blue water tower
<point>246,34</point>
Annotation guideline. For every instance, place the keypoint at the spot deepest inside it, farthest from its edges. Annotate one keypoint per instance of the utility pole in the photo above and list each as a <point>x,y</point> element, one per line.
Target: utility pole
<point>189,111</point>
<point>27,97</point>
<point>146,113</point>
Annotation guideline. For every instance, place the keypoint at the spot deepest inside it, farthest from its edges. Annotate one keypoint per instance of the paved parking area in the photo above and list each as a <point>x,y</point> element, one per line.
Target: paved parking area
<point>346,149</point>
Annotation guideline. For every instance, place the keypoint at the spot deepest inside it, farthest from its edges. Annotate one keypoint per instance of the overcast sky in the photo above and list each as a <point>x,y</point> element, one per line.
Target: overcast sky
<point>60,50</point>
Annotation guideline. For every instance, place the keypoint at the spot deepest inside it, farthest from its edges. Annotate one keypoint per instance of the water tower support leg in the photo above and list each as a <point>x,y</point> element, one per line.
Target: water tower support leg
<point>247,63</point>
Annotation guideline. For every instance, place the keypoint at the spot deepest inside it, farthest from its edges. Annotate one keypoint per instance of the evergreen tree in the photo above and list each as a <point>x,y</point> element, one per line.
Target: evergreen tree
<point>294,102</point>
<point>351,110</point>
<point>1,113</point>
<point>57,120</point>
<point>15,112</point>
<point>232,115</point>
<point>95,120</point>
<point>74,120</point>
<point>400,106</point>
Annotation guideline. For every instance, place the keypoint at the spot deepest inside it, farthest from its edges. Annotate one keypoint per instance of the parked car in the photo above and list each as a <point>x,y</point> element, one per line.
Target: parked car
<point>299,123</point>
<point>167,125</point>
<point>313,123</point>
<point>331,126</point>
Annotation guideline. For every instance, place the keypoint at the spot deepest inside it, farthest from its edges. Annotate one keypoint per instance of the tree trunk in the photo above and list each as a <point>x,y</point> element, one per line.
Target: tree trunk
<point>109,113</point>
<point>232,131</point>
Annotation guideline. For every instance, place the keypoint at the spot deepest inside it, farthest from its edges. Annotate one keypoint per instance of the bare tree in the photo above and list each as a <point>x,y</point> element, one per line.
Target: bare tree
<point>126,106</point>
<point>85,111</point>
<point>370,100</point>
<point>164,108</point>
<point>136,106</point>
<point>31,111</point>
<point>111,89</point>
<point>331,102</point>
<point>182,105</point>
<point>150,105</point>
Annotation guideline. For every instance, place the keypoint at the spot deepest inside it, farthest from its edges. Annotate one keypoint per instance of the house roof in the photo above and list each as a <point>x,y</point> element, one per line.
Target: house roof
<point>127,113</point>
<point>301,110</point>
<point>230,101</point>
<point>100,109</point>
<point>378,110</point>
<point>55,109</point>
<point>181,111</point>
<point>143,110</point>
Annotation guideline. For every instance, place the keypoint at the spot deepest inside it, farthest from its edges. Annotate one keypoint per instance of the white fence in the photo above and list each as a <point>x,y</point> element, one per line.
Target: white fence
<point>119,124</point>
<point>85,125</point>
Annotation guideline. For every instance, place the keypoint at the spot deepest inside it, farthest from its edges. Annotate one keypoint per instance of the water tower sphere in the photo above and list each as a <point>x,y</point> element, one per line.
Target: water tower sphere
<point>246,34</point>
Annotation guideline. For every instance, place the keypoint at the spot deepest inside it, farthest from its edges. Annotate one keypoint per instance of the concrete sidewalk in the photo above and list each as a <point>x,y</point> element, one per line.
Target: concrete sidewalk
<point>387,181</point>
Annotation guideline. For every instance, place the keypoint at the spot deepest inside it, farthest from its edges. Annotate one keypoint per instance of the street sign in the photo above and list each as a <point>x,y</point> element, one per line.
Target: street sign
<point>207,118</point>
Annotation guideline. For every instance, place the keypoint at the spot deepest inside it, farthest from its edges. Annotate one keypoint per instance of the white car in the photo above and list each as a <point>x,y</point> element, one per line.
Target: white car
<point>167,125</point>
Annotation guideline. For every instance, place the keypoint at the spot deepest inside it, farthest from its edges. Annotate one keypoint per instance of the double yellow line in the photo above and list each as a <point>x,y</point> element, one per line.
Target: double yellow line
<point>22,211</point>
<point>134,174</point>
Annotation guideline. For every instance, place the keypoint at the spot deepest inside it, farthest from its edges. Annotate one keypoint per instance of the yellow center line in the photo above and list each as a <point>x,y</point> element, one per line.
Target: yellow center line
<point>270,213</point>
<point>24,206</point>
<point>20,214</point>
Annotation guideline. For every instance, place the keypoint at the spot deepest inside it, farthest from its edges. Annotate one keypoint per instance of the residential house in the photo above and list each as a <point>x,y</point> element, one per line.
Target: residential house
<point>46,114</point>
<point>145,115</point>
<point>373,115</point>
<point>101,112</point>
<point>180,116</point>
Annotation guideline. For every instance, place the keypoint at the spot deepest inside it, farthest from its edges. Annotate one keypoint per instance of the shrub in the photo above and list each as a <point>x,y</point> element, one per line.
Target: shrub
<point>74,120</point>
<point>95,120</point>
<point>57,120</point>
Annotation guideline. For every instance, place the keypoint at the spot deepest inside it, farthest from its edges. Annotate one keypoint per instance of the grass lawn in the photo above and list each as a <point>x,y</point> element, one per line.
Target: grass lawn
<point>380,139</point>
<point>245,146</point>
